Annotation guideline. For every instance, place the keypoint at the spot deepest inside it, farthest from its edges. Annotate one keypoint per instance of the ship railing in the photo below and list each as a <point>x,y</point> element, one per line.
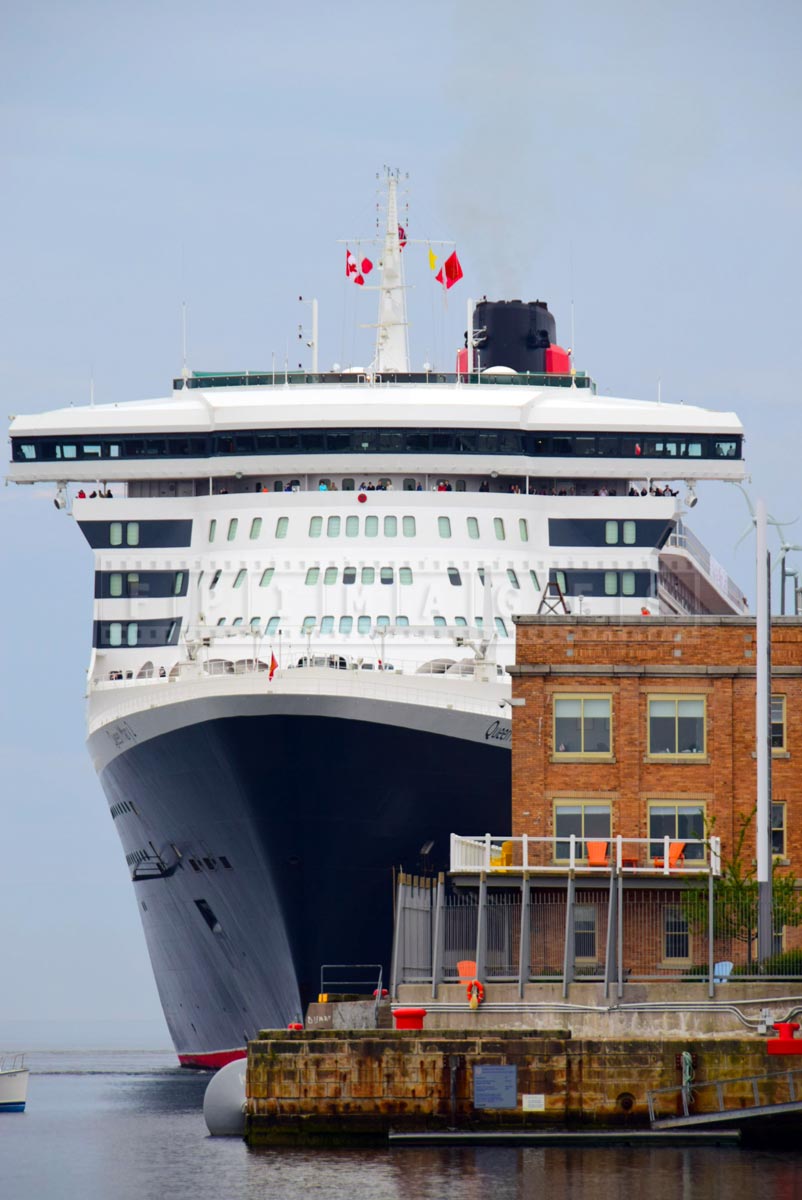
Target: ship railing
<point>655,856</point>
<point>685,539</point>
<point>214,379</point>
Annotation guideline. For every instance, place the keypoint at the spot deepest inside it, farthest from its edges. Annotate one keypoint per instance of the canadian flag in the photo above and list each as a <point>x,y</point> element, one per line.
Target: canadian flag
<point>351,267</point>
<point>357,271</point>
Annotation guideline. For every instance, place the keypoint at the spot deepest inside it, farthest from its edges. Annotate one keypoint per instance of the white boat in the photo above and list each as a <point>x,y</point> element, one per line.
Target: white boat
<point>297,676</point>
<point>13,1083</point>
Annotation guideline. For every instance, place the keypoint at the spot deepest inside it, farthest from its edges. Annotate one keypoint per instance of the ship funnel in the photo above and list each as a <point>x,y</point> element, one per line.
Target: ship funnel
<point>513,333</point>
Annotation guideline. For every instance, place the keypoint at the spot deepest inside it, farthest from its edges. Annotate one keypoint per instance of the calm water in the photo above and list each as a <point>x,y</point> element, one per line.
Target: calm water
<point>128,1125</point>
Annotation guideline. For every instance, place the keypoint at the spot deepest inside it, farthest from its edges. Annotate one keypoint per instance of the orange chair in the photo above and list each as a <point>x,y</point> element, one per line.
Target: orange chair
<point>597,854</point>
<point>676,856</point>
<point>466,969</point>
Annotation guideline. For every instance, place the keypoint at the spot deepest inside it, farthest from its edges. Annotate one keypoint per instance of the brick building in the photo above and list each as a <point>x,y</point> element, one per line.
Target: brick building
<point>644,727</point>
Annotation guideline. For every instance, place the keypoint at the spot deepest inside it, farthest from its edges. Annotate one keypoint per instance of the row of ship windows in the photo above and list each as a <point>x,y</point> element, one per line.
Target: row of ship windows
<point>380,441</point>
<point>367,575</point>
<point>363,624</point>
<point>123,806</point>
<point>370,528</point>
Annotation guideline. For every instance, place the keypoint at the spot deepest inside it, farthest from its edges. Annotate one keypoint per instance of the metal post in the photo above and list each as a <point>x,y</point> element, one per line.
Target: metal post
<point>609,954</point>
<point>711,899</point>
<point>399,929</point>
<point>481,928</point>
<point>568,949</point>
<point>765,924</point>
<point>620,938</point>
<point>524,948</point>
<point>439,931</point>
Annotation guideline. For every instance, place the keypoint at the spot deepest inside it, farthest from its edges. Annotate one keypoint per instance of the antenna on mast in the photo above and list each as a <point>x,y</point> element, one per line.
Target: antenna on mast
<point>392,350</point>
<point>185,371</point>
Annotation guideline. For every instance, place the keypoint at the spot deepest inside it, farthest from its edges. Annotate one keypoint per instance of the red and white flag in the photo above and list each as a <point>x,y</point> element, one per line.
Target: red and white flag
<point>355,271</point>
<point>402,236</point>
<point>273,666</point>
<point>351,267</point>
<point>450,272</point>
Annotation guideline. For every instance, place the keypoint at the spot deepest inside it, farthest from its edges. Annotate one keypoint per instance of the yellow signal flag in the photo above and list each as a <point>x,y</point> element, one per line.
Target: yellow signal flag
<point>432,259</point>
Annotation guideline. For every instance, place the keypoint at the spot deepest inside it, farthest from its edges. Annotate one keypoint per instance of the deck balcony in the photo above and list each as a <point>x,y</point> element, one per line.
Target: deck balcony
<point>648,858</point>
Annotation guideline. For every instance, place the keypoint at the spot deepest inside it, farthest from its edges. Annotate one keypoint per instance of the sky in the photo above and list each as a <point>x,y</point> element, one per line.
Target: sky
<point>638,161</point>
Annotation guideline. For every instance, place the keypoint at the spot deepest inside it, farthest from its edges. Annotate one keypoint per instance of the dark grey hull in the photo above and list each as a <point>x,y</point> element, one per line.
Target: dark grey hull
<point>267,843</point>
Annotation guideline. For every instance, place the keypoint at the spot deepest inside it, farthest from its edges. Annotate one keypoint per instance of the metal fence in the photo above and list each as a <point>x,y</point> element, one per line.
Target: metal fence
<point>570,931</point>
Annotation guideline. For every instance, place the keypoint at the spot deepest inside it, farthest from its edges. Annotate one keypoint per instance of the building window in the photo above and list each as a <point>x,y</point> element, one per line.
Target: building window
<point>582,724</point>
<point>240,578</point>
<point>778,830</point>
<point>676,726</point>
<point>680,823</point>
<point>363,625</point>
<point>405,576</point>
<point>352,526</point>
<point>585,931</point>
<point>212,529</point>
<point>454,577</point>
<point>232,528</point>
<point>267,576</point>
<point>371,526</point>
<point>523,529</point>
<point>473,528</point>
<point>498,527</point>
<point>349,575</point>
<point>444,527</point>
<point>315,527</point>
<point>586,821</point>
<point>676,934</point>
<point>312,576</point>
<point>408,526</point>
<point>256,528</point>
<point>281,527</point>
<point>346,624</point>
<point>330,576</point>
<point>386,575</point>
<point>327,624</point>
<point>272,625</point>
<point>778,723</point>
<point>513,578</point>
<point>333,527</point>
<point>391,526</point>
<point>368,575</point>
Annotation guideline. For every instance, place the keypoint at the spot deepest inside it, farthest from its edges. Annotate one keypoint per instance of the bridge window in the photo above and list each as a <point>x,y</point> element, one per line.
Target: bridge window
<point>440,622</point>
<point>308,624</point>
<point>327,624</point>
<point>402,622</point>
<point>363,625</point>
<point>501,627</point>
<point>255,623</point>
<point>382,622</point>
<point>237,621</point>
<point>272,625</point>
<point>346,624</point>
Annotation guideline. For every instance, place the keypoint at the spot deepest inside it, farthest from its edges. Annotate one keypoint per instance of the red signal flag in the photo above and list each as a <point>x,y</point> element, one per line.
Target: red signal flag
<point>450,272</point>
<point>367,266</point>
<point>273,666</point>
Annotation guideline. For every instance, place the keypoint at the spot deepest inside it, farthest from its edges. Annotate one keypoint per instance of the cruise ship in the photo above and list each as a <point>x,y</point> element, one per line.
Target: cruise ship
<point>304,591</point>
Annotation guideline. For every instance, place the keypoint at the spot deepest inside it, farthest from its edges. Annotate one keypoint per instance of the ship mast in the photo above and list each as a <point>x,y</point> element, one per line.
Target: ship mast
<point>392,352</point>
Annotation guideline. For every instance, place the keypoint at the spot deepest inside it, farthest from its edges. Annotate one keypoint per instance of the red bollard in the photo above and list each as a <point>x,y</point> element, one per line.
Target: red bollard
<point>785,1042</point>
<point>412,1018</point>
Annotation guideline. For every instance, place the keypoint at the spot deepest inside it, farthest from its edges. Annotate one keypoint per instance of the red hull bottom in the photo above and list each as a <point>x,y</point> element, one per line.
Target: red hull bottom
<point>212,1061</point>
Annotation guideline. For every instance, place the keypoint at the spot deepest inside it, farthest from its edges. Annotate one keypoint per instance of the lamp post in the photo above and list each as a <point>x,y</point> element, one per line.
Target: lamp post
<point>765,924</point>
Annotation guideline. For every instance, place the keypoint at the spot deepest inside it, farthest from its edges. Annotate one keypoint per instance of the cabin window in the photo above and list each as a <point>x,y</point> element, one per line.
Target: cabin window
<point>371,526</point>
<point>237,621</point>
<point>327,624</point>
<point>498,527</point>
<point>115,584</point>
<point>402,622</point>
<point>523,529</point>
<point>256,528</point>
<point>240,578</point>
<point>405,576</point>
<point>215,580</point>
<point>368,575</point>
<point>330,576</point>
<point>115,633</point>
<point>363,625</point>
<point>382,622</point>
<point>178,584</point>
<point>408,526</point>
<point>272,625</point>
<point>255,623</point>
<point>391,526</point>
<point>513,578</point>
<point>116,533</point>
<point>352,526</point>
<point>611,533</point>
<point>630,533</point>
<point>473,528</point>
<point>267,577</point>
<point>460,621</point>
<point>348,485</point>
<point>346,624</point>
<point>333,527</point>
<point>386,575</point>
<point>315,526</point>
<point>440,622</point>
<point>232,528</point>
<point>308,624</point>
<point>454,577</point>
<point>212,529</point>
<point>409,485</point>
<point>312,576</point>
<point>349,575</point>
<point>281,527</point>
<point>444,527</point>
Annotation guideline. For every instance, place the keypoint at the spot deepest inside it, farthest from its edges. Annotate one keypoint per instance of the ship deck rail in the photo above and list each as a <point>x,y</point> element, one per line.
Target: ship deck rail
<point>273,378</point>
<point>685,539</point>
<point>653,857</point>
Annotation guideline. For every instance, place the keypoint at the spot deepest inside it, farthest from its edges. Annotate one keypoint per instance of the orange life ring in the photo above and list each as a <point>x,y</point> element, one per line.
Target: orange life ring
<point>480,991</point>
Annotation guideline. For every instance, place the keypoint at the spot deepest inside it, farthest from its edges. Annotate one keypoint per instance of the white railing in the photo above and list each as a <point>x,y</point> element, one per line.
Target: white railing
<point>556,856</point>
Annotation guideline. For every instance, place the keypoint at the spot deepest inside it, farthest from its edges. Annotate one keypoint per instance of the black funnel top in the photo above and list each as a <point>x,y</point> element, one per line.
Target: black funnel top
<point>513,333</point>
